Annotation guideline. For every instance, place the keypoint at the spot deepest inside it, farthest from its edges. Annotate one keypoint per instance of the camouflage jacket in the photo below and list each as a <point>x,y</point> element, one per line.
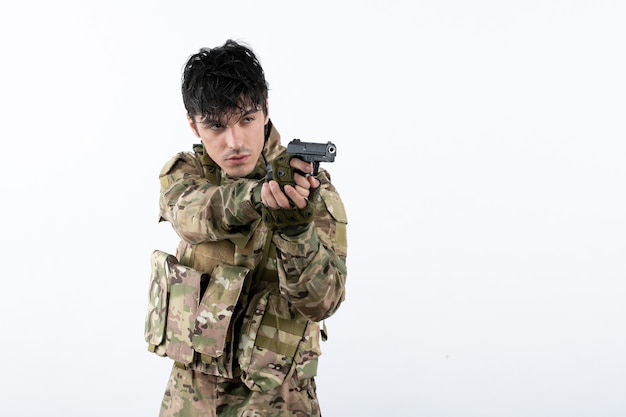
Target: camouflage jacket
<point>301,281</point>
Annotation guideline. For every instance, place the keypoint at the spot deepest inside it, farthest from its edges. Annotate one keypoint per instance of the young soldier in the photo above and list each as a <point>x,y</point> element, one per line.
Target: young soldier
<point>274,249</point>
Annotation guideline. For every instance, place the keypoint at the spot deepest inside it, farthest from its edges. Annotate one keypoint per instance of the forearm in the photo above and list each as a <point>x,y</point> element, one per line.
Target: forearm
<point>200,211</point>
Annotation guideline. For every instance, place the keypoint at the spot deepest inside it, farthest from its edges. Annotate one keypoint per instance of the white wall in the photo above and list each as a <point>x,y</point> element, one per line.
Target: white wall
<point>481,161</point>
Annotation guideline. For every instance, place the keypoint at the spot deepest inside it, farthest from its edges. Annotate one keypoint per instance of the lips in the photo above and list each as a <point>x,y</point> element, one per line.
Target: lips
<point>238,160</point>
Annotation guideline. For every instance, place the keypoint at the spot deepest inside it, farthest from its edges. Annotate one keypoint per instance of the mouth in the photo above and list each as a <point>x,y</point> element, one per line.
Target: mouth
<point>237,159</point>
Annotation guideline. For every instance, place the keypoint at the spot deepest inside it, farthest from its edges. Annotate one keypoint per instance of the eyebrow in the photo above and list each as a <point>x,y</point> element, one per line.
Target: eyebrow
<point>212,119</point>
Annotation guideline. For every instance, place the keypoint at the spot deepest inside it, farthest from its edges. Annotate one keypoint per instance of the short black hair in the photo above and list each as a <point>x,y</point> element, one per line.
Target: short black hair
<point>224,80</point>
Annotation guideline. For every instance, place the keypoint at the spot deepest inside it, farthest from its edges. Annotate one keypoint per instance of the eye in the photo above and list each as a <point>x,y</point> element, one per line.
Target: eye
<point>215,126</point>
<point>247,119</point>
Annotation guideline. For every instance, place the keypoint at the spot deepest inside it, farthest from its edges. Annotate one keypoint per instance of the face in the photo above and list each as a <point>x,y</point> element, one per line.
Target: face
<point>235,141</point>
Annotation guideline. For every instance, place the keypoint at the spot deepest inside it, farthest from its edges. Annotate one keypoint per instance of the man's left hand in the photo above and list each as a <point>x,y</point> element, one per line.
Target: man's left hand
<point>274,197</point>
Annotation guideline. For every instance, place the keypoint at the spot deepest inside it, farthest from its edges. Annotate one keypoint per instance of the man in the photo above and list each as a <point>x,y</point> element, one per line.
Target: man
<point>274,249</point>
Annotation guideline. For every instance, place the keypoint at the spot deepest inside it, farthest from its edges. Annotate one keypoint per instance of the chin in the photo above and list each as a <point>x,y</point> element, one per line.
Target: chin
<point>239,172</point>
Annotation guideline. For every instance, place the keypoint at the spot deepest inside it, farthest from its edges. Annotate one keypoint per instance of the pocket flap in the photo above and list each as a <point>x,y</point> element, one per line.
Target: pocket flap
<point>335,206</point>
<point>216,309</point>
<point>184,287</point>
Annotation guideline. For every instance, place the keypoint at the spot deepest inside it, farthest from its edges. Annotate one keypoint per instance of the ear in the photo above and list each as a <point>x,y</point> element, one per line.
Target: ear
<point>192,125</point>
<point>267,115</point>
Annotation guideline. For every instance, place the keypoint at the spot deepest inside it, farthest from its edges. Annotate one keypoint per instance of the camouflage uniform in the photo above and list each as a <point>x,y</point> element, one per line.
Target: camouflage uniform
<point>257,334</point>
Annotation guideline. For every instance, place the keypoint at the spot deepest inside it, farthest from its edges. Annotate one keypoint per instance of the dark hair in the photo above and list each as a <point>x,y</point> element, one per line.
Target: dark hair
<point>222,80</point>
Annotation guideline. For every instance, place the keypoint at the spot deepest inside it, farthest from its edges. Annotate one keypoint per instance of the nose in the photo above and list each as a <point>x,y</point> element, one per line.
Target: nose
<point>233,137</point>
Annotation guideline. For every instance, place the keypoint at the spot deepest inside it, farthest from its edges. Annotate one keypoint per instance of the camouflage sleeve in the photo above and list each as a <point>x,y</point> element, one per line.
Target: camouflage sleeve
<point>200,211</point>
<point>312,266</point>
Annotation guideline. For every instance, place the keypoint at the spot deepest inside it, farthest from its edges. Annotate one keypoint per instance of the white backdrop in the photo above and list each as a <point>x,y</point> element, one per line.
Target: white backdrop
<point>480,158</point>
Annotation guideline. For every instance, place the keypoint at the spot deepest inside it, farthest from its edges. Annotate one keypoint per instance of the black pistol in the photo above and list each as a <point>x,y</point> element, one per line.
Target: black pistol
<point>312,152</point>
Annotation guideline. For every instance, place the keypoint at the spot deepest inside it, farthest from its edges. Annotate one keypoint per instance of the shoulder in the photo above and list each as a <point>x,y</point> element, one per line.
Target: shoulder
<point>331,219</point>
<point>331,198</point>
<point>182,165</point>
<point>182,162</point>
